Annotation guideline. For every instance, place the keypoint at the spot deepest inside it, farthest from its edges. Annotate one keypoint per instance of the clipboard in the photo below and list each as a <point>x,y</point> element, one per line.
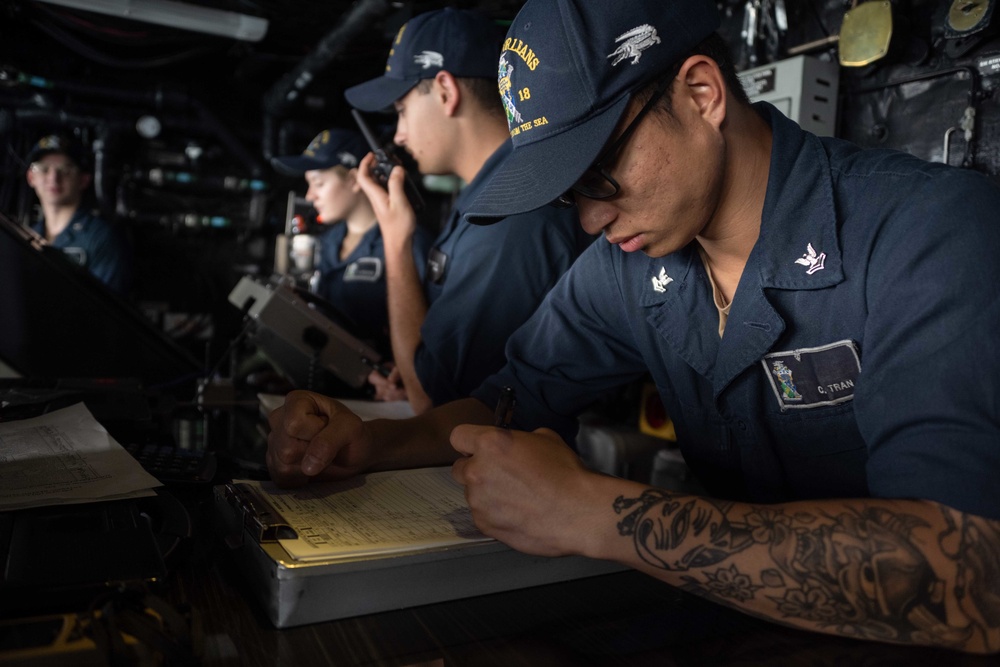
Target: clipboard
<point>296,591</point>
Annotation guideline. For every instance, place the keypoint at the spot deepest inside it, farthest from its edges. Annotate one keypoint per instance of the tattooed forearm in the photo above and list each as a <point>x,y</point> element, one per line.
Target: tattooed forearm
<point>974,545</point>
<point>861,569</point>
<point>662,524</point>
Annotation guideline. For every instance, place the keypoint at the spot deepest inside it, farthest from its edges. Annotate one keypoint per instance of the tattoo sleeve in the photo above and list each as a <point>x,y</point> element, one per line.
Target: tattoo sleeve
<point>865,569</point>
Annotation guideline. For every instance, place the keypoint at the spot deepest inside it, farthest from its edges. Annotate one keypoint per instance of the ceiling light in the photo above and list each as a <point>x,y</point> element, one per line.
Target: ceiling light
<point>177,15</point>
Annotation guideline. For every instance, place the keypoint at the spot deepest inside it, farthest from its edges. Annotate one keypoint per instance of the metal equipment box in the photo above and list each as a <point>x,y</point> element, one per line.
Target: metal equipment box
<point>804,88</point>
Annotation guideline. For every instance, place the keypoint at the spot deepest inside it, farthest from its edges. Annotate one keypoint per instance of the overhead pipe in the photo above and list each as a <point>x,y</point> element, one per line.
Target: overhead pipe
<point>159,99</point>
<point>287,91</point>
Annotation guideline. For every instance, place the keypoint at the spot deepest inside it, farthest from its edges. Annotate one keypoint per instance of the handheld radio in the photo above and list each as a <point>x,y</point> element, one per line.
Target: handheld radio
<point>385,161</point>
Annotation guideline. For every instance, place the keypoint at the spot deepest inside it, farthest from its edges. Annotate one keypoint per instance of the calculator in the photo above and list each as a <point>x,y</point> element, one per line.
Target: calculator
<point>174,465</point>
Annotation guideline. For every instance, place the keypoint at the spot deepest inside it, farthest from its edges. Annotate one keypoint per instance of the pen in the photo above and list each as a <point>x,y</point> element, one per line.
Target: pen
<point>505,408</point>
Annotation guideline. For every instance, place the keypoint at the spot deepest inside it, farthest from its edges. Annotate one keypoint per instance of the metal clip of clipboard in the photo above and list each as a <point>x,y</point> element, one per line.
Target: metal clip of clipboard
<point>259,517</point>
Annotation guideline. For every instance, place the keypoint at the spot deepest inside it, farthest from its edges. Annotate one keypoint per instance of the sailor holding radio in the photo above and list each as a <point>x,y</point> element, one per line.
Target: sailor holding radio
<point>351,255</point>
<point>449,329</point>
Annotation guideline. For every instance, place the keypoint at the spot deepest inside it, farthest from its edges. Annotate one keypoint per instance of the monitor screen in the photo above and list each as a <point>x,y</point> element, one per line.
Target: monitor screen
<point>58,321</point>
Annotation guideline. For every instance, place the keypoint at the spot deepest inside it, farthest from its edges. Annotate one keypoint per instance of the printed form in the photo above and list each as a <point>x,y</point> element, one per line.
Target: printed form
<point>66,457</point>
<point>376,514</point>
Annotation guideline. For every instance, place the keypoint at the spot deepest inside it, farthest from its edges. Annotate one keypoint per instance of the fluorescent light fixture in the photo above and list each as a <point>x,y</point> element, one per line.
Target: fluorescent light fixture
<point>177,15</point>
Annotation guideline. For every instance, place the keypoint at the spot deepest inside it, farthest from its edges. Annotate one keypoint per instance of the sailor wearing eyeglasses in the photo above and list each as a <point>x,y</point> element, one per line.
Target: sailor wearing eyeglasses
<point>58,172</point>
<point>817,319</point>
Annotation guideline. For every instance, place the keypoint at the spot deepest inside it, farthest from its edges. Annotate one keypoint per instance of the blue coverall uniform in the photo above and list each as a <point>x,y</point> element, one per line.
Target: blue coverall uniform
<point>482,283</point>
<point>356,286</point>
<point>859,358</point>
<point>94,244</point>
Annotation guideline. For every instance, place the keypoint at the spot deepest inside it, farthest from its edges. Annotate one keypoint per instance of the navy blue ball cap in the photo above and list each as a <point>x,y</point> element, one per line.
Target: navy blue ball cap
<point>329,149</point>
<point>567,71</point>
<point>463,42</point>
<point>62,144</point>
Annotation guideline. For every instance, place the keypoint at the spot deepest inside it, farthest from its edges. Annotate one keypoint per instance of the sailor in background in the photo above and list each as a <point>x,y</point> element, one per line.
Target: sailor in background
<point>351,255</point>
<point>482,282</point>
<point>59,173</point>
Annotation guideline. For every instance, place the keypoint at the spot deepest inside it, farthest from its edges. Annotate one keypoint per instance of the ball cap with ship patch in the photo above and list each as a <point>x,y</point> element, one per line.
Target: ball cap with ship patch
<point>329,149</point>
<point>566,73</point>
<point>462,42</point>
<point>62,144</point>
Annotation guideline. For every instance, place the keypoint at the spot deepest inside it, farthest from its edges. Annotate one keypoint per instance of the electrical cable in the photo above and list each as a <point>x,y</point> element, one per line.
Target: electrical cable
<point>819,18</point>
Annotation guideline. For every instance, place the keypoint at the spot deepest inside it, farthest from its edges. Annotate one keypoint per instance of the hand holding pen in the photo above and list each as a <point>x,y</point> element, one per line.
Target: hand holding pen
<point>504,412</point>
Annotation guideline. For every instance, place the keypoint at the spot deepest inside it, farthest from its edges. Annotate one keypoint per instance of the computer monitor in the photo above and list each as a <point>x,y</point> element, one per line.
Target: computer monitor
<point>58,321</point>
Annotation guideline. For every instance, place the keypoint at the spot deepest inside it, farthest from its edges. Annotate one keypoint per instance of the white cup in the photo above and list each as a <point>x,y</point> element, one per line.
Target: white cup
<point>303,251</point>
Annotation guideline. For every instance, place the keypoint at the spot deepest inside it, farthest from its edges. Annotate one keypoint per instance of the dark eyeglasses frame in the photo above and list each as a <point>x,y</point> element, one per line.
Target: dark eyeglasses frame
<point>606,186</point>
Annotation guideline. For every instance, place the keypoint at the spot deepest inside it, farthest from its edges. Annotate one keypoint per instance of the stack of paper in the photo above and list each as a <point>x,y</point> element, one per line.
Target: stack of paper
<point>66,457</point>
<point>380,513</point>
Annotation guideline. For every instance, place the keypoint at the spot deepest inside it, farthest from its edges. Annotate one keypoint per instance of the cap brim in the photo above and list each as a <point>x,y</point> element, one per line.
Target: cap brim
<point>36,155</point>
<point>39,153</point>
<point>378,94</point>
<point>297,165</point>
<point>534,174</point>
